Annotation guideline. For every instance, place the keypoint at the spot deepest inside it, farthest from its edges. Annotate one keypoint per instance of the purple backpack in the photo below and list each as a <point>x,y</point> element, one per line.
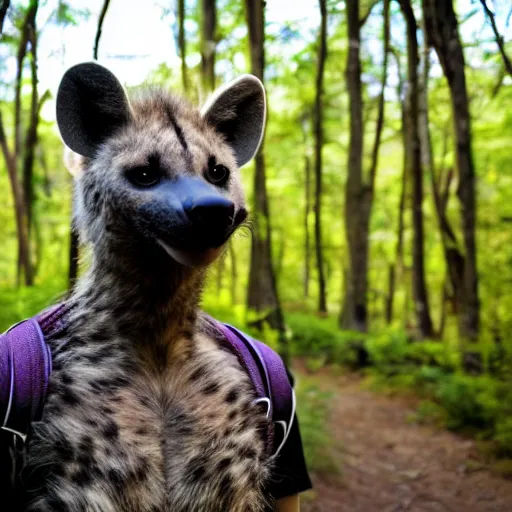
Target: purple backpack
<point>26,365</point>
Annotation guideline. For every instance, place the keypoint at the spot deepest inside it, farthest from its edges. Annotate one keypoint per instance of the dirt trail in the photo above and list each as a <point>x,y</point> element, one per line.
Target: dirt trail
<point>390,465</point>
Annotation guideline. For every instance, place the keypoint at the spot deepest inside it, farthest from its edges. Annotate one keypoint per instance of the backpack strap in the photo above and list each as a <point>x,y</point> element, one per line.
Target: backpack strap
<point>25,368</point>
<point>270,380</point>
<point>26,365</point>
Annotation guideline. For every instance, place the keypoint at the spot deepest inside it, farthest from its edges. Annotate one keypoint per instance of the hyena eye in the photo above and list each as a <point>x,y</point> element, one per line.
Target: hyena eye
<point>217,174</point>
<point>143,176</point>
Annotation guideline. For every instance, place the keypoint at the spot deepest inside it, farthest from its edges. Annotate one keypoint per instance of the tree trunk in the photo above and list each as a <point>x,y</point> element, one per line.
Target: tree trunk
<point>19,160</point>
<point>390,298</point>
<point>498,37</point>
<point>20,156</point>
<point>262,295</point>
<point>442,33</point>
<point>208,44</point>
<point>234,274</point>
<point>319,140</point>
<point>421,303</point>
<point>47,185</point>
<point>221,264</point>
<point>99,29</point>
<point>354,313</point>
<point>358,194</point>
<point>182,44</point>
<point>307,243</point>
<point>444,299</point>
<point>3,12</point>
<point>22,52</point>
<point>381,102</point>
<point>454,259</point>
<point>281,250</point>
<point>31,135</point>
<point>19,207</point>
<point>28,27</point>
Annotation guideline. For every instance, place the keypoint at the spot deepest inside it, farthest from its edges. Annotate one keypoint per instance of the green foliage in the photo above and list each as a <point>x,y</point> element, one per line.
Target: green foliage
<point>387,348</point>
<point>322,339</point>
<point>21,303</point>
<point>469,402</point>
<point>503,437</point>
<point>406,377</point>
<point>429,412</point>
<point>313,414</point>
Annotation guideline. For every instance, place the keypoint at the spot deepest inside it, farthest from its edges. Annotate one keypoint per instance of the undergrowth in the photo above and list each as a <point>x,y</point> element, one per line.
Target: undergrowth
<point>20,303</point>
<point>479,405</point>
<point>313,414</point>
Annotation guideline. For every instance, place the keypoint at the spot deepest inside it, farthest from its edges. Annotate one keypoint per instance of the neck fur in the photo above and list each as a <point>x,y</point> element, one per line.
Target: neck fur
<point>141,292</point>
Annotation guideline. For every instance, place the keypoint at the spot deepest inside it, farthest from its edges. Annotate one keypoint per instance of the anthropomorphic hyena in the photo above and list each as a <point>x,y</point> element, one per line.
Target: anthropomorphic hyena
<point>146,412</point>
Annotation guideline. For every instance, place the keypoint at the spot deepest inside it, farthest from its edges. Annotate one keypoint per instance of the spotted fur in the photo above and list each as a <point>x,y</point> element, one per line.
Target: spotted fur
<point>146,410</point>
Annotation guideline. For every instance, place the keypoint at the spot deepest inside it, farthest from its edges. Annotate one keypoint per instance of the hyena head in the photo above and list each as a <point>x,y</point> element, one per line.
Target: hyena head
<point>158,177</point>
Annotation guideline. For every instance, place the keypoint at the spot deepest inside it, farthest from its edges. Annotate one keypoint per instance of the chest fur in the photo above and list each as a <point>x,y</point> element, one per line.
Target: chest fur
<point>120,435</point>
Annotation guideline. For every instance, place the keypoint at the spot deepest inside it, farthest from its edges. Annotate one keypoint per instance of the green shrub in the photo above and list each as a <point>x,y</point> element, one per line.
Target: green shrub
<point>391,347</point>
<point>428,378</point>
<point>313,413</point>
<point>19,303</point>
<point>469,401</point>
<point>503,437</point>
<point>387,348</point>
<point>321,338</point>
<point>433,353</point>
<point>428,413</point>
<point>315,363</point>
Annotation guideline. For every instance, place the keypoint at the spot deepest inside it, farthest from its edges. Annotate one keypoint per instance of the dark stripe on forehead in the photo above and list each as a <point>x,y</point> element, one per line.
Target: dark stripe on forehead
<point>177,127</point>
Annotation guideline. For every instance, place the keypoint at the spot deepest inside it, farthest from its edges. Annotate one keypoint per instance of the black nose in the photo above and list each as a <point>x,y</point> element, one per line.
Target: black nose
<point>210,213</point>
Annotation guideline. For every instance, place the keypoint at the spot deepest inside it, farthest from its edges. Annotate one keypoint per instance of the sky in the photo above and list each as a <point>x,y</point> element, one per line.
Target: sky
<point>136,40</point>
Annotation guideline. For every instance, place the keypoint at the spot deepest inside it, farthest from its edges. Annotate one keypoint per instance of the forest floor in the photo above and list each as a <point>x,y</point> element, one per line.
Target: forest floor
<point>389,464</point>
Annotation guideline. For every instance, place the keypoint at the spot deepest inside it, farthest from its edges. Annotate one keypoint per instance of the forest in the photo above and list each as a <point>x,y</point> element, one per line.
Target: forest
<point>378,257</point>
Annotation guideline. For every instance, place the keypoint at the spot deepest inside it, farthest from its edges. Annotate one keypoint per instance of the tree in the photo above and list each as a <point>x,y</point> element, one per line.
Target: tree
<point>19,207</point>
<point>358,191</point>
<point>440,185</point>
<point>319,140</point>
<point>413,149</point>
<point>31,133</point>
<point>208,44</point>
<point>99,29</point>
<point>498,37</point>
<point>442,33</point>
<point>4,6</point>
<point>396,268</point>
<point>262,296</point>
<point>16,159</point>
<point>182,44</point>
<point>307,210</point>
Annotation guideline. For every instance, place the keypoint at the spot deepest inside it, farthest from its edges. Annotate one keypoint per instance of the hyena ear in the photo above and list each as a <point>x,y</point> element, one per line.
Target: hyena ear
<point>238,111</point>
<point>91,106</point>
